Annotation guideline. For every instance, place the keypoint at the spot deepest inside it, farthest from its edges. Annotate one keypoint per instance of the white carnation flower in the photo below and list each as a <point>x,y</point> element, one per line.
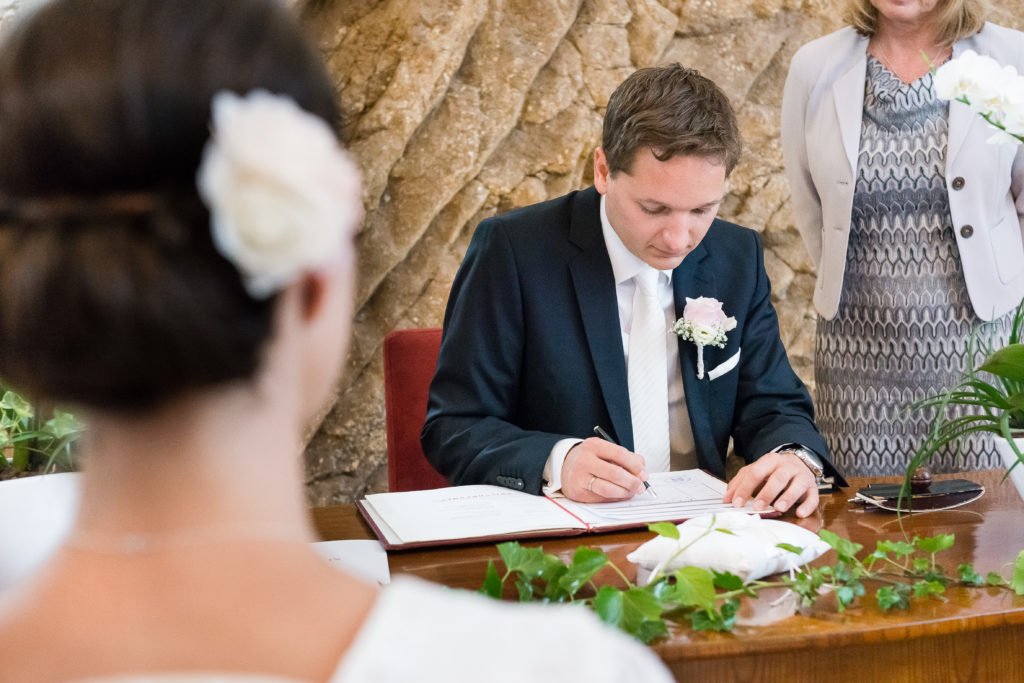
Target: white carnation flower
<point>283,195</point>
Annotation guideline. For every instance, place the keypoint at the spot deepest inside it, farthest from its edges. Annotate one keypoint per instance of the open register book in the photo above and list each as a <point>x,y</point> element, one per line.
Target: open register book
<point>473,514</point>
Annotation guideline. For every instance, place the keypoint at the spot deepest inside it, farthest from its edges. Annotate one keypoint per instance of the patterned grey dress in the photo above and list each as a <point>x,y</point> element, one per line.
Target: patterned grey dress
<point>904,317</point>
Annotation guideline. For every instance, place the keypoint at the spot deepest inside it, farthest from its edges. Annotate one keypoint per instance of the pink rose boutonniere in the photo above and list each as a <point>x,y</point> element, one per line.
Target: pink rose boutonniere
<point>704,323</point>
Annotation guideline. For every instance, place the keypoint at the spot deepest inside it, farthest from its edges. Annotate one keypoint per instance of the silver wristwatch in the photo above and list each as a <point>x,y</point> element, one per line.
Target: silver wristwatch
<point>807,459</point>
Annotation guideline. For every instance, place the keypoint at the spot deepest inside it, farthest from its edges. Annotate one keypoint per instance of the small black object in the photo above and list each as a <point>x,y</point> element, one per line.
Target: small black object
<point>940,495</point>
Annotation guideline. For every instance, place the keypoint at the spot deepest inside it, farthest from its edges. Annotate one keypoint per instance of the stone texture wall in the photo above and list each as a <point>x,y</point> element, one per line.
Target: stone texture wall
<point>460,109</point>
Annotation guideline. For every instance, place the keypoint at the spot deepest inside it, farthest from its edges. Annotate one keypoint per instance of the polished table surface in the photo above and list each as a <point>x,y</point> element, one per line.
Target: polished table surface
<point>972,635</point>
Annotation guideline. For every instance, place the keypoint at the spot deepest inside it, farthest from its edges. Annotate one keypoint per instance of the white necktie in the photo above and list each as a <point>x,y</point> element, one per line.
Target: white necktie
<point>648,373</point>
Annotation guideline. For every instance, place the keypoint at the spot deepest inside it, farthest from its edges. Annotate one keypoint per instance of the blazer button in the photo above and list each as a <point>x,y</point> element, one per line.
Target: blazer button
<point>958,183</point>
<point>966,231</point>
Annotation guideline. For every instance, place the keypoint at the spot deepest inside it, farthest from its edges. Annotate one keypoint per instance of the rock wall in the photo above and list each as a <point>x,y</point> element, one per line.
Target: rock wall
<point>460,109</point>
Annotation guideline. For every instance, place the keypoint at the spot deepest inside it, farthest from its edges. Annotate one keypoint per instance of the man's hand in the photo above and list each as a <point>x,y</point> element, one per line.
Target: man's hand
<point>780,480</point>
<point>597,471</point>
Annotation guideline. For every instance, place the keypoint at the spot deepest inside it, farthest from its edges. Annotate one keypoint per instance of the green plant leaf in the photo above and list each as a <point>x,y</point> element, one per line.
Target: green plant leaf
<point>62,425</point>
<point>995,579</point>
<point>666,529</point>
<point>921,564</point>
<point>935,544</point>
<point>844,547</point>
<point>924,589</point>
<point>649,631</point>
<point>524,587</point>
<point>722,619</point>
<point>21,408</point>
<point>694,587</point>
<point>608,604</point>
<point>893,597</point>
<point>1017,580</point>
<point>727,581</point>
<point>795,549</point>
<point>528,561</point>
<point>969,576</point>
<point>492,582</point>
<point>899,548</point>
<point>1007,362</point>
<point>585,563</point>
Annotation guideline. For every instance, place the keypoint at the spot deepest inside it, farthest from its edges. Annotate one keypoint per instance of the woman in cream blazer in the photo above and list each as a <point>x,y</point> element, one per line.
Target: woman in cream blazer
<point>894,318</point>
<point>821,126</point>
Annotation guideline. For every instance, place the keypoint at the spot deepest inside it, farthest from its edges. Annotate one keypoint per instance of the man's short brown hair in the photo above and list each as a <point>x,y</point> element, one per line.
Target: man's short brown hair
<point>673,111</point>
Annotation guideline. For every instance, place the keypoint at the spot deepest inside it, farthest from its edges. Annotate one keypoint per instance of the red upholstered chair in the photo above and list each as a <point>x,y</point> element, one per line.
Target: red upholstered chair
<point>410,358</point>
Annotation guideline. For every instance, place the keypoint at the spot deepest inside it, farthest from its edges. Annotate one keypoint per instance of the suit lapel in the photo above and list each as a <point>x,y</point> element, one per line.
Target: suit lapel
<point>960,119</point>
<point>848,96</point>
<point>594,283</point>
<point>693,279</point>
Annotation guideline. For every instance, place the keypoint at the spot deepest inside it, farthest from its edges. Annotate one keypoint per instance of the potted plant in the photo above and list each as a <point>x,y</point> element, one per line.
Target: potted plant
<point>29,443</point>
<point>990,398</point>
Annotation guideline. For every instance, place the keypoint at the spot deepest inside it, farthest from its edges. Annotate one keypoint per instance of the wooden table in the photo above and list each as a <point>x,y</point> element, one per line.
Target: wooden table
<point>975,635</point>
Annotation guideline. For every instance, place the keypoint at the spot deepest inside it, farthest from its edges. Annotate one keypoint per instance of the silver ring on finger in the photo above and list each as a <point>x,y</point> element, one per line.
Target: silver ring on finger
<point>590,484</point>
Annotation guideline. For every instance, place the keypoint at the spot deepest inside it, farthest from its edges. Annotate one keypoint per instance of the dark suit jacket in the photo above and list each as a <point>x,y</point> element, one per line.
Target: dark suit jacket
<point>532,351</point>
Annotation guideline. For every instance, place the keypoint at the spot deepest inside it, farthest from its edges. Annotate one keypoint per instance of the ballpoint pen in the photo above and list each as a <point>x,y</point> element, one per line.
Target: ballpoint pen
<point>604,435</point>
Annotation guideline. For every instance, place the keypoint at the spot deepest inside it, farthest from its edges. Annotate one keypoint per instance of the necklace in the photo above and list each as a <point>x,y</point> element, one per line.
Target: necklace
<point>931,61</point>
<point>141,542</point>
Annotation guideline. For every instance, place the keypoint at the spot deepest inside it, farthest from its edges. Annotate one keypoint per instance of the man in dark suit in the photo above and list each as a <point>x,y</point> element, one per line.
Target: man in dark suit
<point>559,320</point>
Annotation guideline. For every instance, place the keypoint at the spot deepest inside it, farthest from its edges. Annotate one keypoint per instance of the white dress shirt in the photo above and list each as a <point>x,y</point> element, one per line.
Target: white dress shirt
<point>625,266</point>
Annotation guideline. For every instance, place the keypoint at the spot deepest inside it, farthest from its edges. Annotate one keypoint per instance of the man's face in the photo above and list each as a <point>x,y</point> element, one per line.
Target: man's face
<point>661,210</point>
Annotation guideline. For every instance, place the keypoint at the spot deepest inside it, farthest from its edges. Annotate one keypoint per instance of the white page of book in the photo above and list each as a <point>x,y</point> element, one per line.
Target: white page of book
<point>365,559</point>
<point>466,512</point>
<point>682,494</point>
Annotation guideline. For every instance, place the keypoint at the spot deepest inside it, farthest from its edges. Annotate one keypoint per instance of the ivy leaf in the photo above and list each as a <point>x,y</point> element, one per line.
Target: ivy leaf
<point>651,630</point>
<point>922,564</point>
<point>888,597</point>
<point>666,529</point>
<point>20,407</point>
<point>899,548</point>
<point>722,619</point>
<point>528,561</point>
<point>969,576</point>
<point>924,589</point>
<point>552,575</point>
<point>844,547</point>
<point>1017,580</point>
<point>727,581</point>
<point>795,549</point>
<point>694,587</point>
<point>935,544</point>
<point>995,579</point>
<point>492,582</point>
<point>62,425</point>
<point>585,563</point>
<point>641,615</point>
<point>525,588</point>
<point>608,605</point>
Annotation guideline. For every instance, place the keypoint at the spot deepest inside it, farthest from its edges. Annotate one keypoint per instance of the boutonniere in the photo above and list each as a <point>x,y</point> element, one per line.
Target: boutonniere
<point>704,323</point>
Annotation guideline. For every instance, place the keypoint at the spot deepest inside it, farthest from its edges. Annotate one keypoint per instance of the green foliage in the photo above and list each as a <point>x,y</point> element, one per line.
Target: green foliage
<point>29,442</point>
<point>994,401</point>
<point>708,600</point>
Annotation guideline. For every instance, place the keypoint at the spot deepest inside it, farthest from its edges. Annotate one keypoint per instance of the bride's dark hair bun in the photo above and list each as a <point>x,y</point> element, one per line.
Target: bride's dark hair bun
<point>111,291</point>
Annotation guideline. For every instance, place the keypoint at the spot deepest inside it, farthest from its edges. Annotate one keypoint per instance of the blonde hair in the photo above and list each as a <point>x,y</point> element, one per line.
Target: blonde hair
<point>959,19</point>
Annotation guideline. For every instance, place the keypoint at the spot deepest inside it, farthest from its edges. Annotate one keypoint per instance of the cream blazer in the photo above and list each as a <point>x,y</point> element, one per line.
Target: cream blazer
<point>822,107</point>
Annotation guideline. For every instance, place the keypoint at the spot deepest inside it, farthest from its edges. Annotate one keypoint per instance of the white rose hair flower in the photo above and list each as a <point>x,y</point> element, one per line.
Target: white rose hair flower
<point>282,193</point>
<point>994,92</point>
<point>705,324</point>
